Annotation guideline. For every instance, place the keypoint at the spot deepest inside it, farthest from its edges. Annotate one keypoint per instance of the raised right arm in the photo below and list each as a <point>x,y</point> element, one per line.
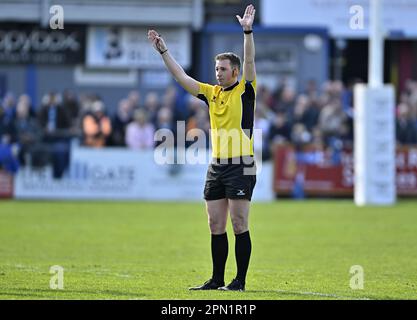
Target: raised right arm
<point>188,83</point>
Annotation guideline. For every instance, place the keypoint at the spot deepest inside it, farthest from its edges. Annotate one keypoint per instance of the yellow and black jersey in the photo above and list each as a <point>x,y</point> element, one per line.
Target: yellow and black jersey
<point>232,112</point>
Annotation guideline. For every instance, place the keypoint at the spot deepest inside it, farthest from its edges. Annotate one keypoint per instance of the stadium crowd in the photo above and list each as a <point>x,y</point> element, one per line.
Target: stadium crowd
<point>41,135</point>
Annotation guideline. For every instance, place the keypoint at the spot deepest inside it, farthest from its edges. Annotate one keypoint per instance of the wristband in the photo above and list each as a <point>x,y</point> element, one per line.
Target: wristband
<point>248,32</point>
<point>162,52</point>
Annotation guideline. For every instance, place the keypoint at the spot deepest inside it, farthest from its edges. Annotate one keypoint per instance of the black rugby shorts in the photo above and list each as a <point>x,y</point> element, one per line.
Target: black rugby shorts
<point>230,180</point>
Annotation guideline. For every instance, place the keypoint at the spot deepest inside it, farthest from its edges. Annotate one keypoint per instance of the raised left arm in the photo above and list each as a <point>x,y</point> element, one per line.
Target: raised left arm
<point>249,45</point>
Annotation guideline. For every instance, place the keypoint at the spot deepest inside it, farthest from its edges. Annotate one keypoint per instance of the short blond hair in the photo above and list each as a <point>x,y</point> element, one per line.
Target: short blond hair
<point>232,57</point>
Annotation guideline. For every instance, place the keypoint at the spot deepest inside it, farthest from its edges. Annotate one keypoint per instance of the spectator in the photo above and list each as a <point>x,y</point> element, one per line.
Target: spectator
<point>96,126</point>
<point>277,94</point>
<point>164,121</point>
<point>280,130</point>
<point>72,106</point>
<point>311,90</point>
<point>86,101</point>
<point>300,136</point>
<point>286,103</point>
<point>24,98</point>
<point>54,119</point>
<point>121,119</point>
<point>8,150</point>
<point>152,106</point>
<point>8,111</point>
<point>180,111</point>
<point>140,133</point>
<point>413,101</point>
<point>134,99</point>
<point>169,97</point>
<point>28,132</point>
<point>332,122</point>
<point>305,112</point>
<point>55,124</point>
<point>406,131</point>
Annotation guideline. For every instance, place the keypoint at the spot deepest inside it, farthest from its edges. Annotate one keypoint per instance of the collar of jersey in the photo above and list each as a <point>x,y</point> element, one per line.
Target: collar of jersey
<point>231,87</point>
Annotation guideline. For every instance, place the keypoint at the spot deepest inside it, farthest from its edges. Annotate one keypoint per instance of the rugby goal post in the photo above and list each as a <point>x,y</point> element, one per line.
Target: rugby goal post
<point>374,126</point>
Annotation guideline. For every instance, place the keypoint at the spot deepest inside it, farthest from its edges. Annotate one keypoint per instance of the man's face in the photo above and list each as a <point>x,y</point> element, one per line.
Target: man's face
<point>225,75</point>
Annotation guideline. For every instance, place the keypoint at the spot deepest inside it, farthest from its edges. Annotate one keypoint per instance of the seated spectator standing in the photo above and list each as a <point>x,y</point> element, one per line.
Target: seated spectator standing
<point>54,119</point>
<point>71,105</point>
<point>121,119</point>
<point>96,126</point>
<point>28,133</point>
<point>55,122</point>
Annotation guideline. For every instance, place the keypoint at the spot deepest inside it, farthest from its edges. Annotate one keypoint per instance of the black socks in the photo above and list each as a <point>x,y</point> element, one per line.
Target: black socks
<point>243,248</point>
<point>219,252</point>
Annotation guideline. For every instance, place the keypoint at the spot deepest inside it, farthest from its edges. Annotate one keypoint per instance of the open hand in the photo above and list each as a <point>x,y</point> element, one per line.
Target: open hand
<point>247,21</point>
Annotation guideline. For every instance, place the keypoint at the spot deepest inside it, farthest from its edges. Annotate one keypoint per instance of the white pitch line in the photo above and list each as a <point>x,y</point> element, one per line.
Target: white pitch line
<point>320,294</point>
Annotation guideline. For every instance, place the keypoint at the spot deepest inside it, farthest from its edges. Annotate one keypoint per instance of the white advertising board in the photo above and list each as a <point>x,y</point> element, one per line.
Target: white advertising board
<point>129,47</point>
<point>122,174</point>
<point>93,174</point>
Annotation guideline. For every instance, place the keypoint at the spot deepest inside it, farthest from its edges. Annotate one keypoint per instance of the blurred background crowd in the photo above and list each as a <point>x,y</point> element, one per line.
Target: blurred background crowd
<point>41,135</point>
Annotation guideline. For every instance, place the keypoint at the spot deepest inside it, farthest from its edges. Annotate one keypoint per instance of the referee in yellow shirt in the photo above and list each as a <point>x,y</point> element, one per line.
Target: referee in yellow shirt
<point>231,176</point>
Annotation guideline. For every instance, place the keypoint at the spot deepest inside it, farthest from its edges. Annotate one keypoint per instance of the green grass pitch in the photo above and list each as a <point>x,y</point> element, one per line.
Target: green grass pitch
<point>141,250</point>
